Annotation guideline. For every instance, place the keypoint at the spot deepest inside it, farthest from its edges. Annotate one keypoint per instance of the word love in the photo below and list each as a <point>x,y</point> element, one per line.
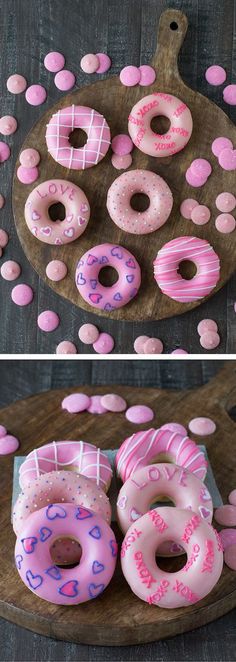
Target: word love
<point>167,472</point>
<point>53,188</point>
<point>209,557</point>
<point>144,573</point>
<point>133,535</point>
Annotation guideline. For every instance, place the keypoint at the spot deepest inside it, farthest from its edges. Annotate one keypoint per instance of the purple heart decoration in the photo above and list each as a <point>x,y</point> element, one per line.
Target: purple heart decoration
<point>176,548</point>
<point>131,263</point>
<point>35,215</point>
<point>95,297</point>
<point>108,307</point>
<point>81,220</point>
<point>95,589</point>
<point>29,544</point>
<point>114,547</point>
<point>95,532</point>
<point>69,589</point>
<point>53,511</point>
<point>45,533</point>
<point>93,283</point>
<point>18,561</point>
<point>97,567</point>
<point>80,279</point>
<point>54,572</point>
<point>91,259</point>
<point>130,278</point>
<point>83,513</point>
<point>204,512</point>
<point>103,259</point>
<point>34,581</point>
<point>118,297</point>
<point>80,264</point>
<point>117,252</point>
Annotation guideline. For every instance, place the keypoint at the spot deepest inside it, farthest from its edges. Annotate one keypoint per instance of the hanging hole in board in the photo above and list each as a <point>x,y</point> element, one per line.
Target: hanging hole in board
<point>174,25</point>
<point>232,413</point>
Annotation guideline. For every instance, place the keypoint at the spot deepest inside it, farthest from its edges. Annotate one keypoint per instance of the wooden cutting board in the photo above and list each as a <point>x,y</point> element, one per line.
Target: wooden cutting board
<point>115,102</point>
<point>118,616</point>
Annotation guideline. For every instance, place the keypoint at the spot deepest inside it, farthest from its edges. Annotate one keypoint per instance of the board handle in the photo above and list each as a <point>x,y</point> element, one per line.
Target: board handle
<point>172,28</point>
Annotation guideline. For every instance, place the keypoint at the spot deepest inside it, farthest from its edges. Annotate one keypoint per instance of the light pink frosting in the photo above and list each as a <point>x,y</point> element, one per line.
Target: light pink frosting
<point>60,487</point>
<point>148,446</point>
<point>163,144</point>
<point>167,263</point>
<point>63,123</point>
<point>176,589</point>
<point>78,456</point>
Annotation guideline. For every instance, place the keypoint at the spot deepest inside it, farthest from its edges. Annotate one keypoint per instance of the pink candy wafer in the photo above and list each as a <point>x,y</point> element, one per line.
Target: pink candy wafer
<point>76,402</point>
<point>227,159</point>
<point>225,201</point>
<point>27,175</point>
<point>219,144</point>
<point>200,215</point>
<point>64,80</point>
<point>5,151</point>
<point>225,223</point>
<point>226,515</point>
<point>232,497</point>
<point>139,414</point>
<point>230,557</point>
<point>210,340</point>
<point>187,207</point>
<point>121,162</point>
<point>229,94</point>
<point>54,61</point>
<point>147,75</point>
<point>35,95</point>
<point>201,168</point>
<point>104,63</point>
<point>130,76</point>
<point>228,537</point>
<point>202,426</point>
<point>215,75</point>
<point>122,144</point>
<point>206,325</point>
<point>139,344</point>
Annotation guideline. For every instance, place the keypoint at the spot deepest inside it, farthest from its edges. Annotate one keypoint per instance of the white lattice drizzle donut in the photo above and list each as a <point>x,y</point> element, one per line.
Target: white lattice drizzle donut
<point>61,126</point>
<point>78,456</point>
<point>167,263</point>
<point>163,144</point>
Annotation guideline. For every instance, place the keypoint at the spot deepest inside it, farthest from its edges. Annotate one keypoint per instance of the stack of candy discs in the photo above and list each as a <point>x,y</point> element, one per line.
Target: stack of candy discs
<point>61,517</point>
<point>165,463</point>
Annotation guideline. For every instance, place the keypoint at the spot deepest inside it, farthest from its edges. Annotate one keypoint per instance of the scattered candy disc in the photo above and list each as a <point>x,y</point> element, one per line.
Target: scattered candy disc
<point>2,201</point>
<point>219,144</point>
<point>3,238</point>
<point>227,159</point>
<point>66,347</point>
<point>175,427</point>
<point>10,270</point>
<point>88,334</point>
<point>35,95</point>
<point>194,180</point>
<point>3,431</point>
<point>54,61</point>
<point>8,444</point>
<point>48,321</point>
<point>187,207</point>
<point>29,158</point>
<point>139,344</point>
<point>139,414</point>
<point>228,537</point>
<point>153,346</point>
<point>202,426</point>
<point>5,151</point>
<point>8,125</point>
<point>90,63</point>
<point>201,168</point>
<point>229,95</point>
<point>210,340</point>
<point>147,75</point>
<point>104,344</point>
<point>64,80</point>
<point>27,175</point>
<point>130,76</point>
<point>56,270</point>
<point>232,498</point>
<point>200,215</point>
<point>95,406</point>
<point>104,63</point>
<point>122,144</point>
<point>226,515</point>
<point>76,402</point>
<point>16,84</point>
<point>113,402</point>
<point>206,325</point>
<point>230,557</point>
<point>225,201</point>
<point>121,162</point>
<point>225,223</point>
<point>179,351</point>
<point>215,75</point>
<point>22,294</point>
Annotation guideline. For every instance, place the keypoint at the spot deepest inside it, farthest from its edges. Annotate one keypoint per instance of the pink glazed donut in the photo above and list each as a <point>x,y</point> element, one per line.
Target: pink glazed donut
<point>139,181</point>
<point>149,484</point>
<point>59,487</point>
<point>78,456</point>
<point>66,586</point>
<point>171,589</point>
<point>87,276</point>
<point>151,446</point>
<point>163,144</point>
<point>63,123</point>
<point>77,212</point>
<point>167,262</point>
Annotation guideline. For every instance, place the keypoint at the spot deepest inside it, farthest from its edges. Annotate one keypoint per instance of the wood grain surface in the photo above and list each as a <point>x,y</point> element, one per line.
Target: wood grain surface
<point>129,38</point>
<point>136,622</point>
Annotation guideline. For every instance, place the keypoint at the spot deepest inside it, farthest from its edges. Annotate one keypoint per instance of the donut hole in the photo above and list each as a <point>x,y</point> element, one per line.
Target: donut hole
<point>171,563</point>
<point>140,202</point>
<point>66,552</point>
<point>162,457</point>
<point>108,276</point>
<point>78,138</point>
<point>161,498</point>
<point>174,25</point>
<point>57,211</point>
<point>187,269</point>
<point>160,124</point>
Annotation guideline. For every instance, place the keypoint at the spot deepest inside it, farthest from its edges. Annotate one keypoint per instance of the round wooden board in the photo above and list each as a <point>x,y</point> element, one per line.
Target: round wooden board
<point>118,616</point>
<point>115,101</point>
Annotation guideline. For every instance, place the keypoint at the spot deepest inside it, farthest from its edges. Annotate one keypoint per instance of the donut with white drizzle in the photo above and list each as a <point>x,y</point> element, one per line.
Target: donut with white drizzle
<point>78,456</point>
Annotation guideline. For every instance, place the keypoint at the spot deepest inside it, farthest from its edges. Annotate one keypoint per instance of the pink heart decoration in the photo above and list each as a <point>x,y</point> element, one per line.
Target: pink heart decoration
<point>69,589</point>
<point>46,230</point>
<point>204,512</point>
<point>69,233</point>
<point>58,242</point>
<point>134,514</point>
<point>227,159</point>
<point>81,220</point>
<point>83,208</point>
<point>176,548</point>
<point>35,216</point>
<point>121,503</point>
<point>204,494</point>
<point>95,297</point>
<point>69,218</point>
<point>34,231</point>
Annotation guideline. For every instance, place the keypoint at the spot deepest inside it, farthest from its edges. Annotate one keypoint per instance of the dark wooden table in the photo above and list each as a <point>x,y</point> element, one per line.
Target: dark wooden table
<point>31,28</point>
<point>215,642</point>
